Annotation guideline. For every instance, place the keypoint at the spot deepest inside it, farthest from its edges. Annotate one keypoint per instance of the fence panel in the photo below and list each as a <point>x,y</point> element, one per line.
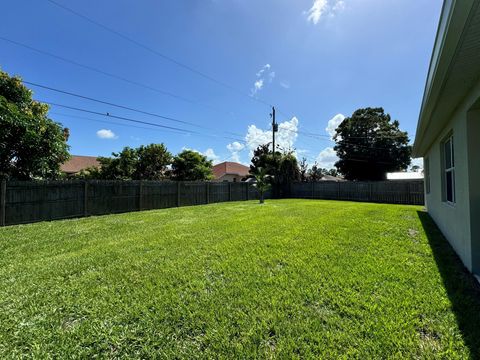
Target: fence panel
<point>110,197</point>
<point>27,202</point>
<point>325,190</point>
<point>218,192</point>
<point>393,192</point>
<point>192,193</point>
<point>302,190</point>
<point>158,195</point>
<point>238,191</point>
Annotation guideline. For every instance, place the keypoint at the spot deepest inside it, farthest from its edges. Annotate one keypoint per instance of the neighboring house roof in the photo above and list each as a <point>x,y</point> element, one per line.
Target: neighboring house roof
<point>230,168</point>
<point>405,176</point>
<point>453,69</point>
<point>78,163</point>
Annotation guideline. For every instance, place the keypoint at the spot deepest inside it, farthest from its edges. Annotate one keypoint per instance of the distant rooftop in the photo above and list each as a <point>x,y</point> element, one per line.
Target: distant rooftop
<point>230,168</point>
<point>78,163</point>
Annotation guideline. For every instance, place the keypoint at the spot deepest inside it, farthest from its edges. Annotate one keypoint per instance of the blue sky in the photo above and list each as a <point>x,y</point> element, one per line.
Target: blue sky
<point>315,60</point>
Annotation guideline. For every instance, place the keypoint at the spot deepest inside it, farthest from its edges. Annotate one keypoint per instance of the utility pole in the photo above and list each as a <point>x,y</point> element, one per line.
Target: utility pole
<point>274,129</point>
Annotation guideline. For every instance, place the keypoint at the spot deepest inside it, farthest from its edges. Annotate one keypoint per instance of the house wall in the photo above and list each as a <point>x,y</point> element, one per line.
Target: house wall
<point>457,221</point>
<point>473,141</point>
<point>229,178</point>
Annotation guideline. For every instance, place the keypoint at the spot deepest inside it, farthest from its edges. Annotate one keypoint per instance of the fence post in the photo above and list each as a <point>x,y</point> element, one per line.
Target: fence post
<point>409,194</point>
<point>140,195</point>
<point>3,202</point>
<point>229,191</point>
<point>85,198</point>
<point>178,194</point>
<point>207,192</point>
<point>370,198</point>
<point>313,190</point>
<point>248,189</point>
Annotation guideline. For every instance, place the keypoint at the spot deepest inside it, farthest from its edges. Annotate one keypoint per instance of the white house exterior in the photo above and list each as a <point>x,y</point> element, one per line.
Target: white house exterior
<point>448,131</point>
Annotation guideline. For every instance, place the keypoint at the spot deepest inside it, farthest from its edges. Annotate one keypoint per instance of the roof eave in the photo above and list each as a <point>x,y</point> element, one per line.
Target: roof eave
<point>451,26</point>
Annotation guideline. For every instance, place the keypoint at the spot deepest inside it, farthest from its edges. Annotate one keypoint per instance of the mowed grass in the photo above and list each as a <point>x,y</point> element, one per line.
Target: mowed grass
<point>289,279</point>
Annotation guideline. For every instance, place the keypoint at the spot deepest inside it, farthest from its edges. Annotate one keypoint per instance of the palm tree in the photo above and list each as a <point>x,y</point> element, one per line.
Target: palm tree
<point>262,182</point>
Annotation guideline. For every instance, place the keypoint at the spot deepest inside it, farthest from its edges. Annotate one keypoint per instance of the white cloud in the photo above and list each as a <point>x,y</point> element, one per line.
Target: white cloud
<point>265,67</point>
<point>285,137</point>
<point>327,158</point>
<point>262,75</point>
<point>106,134</point>
<point>257,86</point>
<point>271,76</point>
<point>333,124</point>
<point>235,146</point>
<point>318,8</point>
<point>235,157</point>
<point>339,6</point>
<point>285,84</point>
<point>210,154</point>
<point>321,8</point>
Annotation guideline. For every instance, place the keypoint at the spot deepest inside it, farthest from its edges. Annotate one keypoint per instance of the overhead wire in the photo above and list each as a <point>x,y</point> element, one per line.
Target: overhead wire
<point>107,114</point>
<point>163,117</point>
<point>157,53</point>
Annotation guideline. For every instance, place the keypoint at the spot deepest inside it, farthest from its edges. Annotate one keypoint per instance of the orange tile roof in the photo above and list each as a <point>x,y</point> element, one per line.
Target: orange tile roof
<point>78,163</point>
<point>231,168</point>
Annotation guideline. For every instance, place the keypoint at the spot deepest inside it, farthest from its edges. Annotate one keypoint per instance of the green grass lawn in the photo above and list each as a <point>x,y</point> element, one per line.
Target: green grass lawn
<point>290,279</point>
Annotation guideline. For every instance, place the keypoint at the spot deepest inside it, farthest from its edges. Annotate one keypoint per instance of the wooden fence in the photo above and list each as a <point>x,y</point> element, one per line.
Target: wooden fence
<point>392,192</point>
<point>27,202</point>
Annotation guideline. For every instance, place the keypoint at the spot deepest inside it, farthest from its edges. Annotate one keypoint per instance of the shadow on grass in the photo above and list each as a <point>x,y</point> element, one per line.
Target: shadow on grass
<point>462,288</point>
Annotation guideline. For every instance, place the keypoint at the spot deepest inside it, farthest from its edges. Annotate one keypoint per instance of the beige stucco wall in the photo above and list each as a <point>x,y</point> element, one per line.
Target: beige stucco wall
<point>229,178</point>
<point>456,221</point>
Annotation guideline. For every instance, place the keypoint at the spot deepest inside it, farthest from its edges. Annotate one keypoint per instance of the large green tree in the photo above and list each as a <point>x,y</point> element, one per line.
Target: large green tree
<point>143,163</point>
<point>283,168</point>
<point>32,146</point>
<point>190,165</point>
<point>369,145</point>
<point>153,162</point>
<point>263,159</point>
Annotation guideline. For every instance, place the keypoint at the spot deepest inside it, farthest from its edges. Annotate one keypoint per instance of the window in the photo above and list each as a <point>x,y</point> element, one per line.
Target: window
<point>426,170</point>
<point>449,170</point>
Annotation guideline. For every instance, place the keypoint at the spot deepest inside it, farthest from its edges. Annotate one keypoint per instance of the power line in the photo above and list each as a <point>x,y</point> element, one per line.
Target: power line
<point>99,71</point>
<point>134,120</point>
<point>157,53</point>
<point>111,122</point>
<point>123,107</point>
<point>311,135</point>
<point>114,76</point>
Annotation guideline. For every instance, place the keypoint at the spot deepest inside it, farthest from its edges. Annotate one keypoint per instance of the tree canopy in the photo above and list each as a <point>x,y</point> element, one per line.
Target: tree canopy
<point>263,159</point>
<point>32,146</point>
<point>190,165</point>
<point>369,145</point>
<point>143,163</point>
<point>283,168</point>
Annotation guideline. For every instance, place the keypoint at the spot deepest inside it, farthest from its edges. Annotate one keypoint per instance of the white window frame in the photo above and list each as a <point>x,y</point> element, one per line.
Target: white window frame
<point>448,169</point>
